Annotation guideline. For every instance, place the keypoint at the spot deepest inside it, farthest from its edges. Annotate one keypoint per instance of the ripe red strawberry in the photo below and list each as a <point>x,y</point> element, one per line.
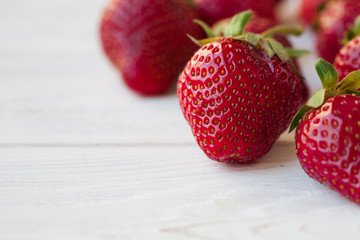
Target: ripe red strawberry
<point>212,11</point>
<point>146,41</point>
<point>258,24</point>
<point>237,95</point>
<point>309,9</point>
<point>334,21</point>
<point>348,58</point>
<point>328,135</point>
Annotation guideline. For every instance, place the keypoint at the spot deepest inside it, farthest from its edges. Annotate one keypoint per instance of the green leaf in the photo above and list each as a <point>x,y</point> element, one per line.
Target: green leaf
<point>238,23</point>
<point>205,27</point>
<point>283,30</point>
<point>194,40</point>
<point>219,27</point>
<point>278,49</point>
<point>350,82</point>
<point>299,115</point>
<point>314,102</point>
<point>202,42</point>
<point>266,46</point>
<point>317,99</point>
<point>353,92</point>
<point>240,37</point>
<point>295,53</point>
<point>327,73</point>
<point>252,38</point>
<point>357,25</point>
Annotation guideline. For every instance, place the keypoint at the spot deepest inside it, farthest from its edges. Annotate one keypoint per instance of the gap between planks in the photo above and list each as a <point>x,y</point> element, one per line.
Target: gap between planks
<point>91,145</point>
<point>111,145</point>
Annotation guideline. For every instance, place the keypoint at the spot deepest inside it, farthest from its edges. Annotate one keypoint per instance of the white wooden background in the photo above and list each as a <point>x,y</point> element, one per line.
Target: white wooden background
<point>81,157</point>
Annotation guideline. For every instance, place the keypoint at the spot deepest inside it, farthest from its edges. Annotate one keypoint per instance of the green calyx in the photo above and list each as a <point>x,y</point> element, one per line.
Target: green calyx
<point>234,28</point>
<point>352,32</point>
<point>331,87</point>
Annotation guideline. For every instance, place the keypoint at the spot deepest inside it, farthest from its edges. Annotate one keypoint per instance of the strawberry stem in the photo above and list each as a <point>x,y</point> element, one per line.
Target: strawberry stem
<point>283,30</point>
<point>207,29</point>
<point>329,79</point>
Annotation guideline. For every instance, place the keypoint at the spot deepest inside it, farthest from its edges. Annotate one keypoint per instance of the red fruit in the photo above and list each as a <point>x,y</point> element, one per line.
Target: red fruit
<point>328,145</point>
<point>212,11</point>
<point>259,24</point>
<point>328,132</point>
<point>309,9</point>
<point>237,99</point>
<point>348,59</point>
<point>334,21</point>
<point>146,41</point>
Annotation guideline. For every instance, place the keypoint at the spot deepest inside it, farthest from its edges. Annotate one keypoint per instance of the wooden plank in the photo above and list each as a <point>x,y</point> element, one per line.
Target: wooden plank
<point>81,157</point>
<point>164,192</point>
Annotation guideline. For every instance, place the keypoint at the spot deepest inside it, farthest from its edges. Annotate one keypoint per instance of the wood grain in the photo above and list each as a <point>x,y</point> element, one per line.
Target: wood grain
<point>81,157</point>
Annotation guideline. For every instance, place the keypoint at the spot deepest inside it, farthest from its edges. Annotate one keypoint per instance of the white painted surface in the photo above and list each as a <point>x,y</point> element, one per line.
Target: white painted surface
<point>81,157</point>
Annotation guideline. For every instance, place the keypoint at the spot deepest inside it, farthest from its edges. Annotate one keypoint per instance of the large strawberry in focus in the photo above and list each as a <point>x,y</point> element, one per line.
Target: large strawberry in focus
<point>146,41</point>
<point>258,24</point>
<point>348,58</point>
<point>337,17</point>
<point>239,92</point>
<point>212,11</point>
<point>328,132</point>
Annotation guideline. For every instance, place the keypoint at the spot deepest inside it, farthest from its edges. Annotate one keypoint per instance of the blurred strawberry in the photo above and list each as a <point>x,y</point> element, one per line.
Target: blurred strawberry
<point>146,41</point>
<point>334,21</point>
<point>309,9</point>
<point>212,11</point>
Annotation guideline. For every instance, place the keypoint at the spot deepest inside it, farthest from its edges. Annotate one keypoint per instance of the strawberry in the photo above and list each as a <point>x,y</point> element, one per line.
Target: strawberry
<point>258,24</point>
<point>212,11</point>
<point>328,132</point>
<point>309,10</point>
<point>334,21</point>
<point>146,41</point>
<point>348,58</point>
<point>238,93</point>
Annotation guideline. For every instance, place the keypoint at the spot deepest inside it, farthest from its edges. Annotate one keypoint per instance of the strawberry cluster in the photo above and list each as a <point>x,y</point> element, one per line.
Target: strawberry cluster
<point>239,86</point>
